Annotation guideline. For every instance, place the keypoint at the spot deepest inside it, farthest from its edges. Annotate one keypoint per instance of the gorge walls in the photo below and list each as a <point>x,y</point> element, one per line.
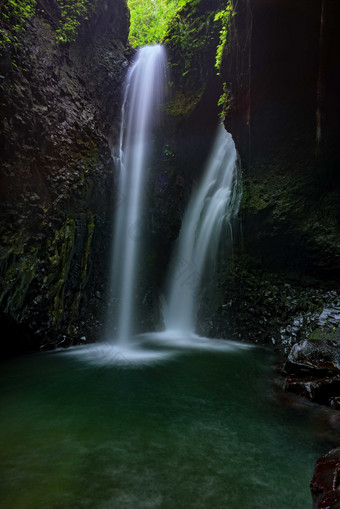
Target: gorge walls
<point>60,107</point>
<point>60,116</point>
<point>283,111</point>
<point>284,116</point>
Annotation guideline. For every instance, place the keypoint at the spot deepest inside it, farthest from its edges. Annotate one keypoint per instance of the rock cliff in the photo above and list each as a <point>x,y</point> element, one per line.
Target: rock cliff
<point>282,103</point>
<point>60,107</point>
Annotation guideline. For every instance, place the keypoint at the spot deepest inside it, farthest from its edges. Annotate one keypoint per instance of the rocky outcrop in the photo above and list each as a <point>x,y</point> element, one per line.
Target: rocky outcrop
<point>273,308</point>
<point>60,111</point>
<point>312,370</point>
<point>326,481</point>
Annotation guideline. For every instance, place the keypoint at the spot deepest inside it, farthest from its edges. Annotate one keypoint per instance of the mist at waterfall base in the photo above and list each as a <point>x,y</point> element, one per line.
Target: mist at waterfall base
<point>161,420</point>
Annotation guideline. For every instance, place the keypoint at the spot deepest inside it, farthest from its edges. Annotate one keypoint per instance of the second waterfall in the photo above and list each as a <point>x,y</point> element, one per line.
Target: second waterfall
<point>143,99</point>
<point>213,204</point>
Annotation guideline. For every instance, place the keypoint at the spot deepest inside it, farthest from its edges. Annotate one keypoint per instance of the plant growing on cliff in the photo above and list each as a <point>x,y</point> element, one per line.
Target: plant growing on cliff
<point>224,17</point>
<point>72,14</point>
<point>13,16</point>
<point>224,102</point>
<point>192,38</point>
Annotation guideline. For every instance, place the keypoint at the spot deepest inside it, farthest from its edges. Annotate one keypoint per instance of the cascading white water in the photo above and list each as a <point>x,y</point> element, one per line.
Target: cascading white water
<point>213,204</point>
<point>144,91</point>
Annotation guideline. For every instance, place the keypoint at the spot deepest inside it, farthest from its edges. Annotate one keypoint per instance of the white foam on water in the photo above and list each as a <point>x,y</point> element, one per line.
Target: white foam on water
<point>151,348</point>
<point>109,354</point>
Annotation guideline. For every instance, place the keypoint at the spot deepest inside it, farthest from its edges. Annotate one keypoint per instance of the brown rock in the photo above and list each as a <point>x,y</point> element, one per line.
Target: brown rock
<point>326,481</point>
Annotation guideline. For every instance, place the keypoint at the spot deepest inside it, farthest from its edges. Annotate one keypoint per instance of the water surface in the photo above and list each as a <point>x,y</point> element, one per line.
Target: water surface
<point>196,429</point>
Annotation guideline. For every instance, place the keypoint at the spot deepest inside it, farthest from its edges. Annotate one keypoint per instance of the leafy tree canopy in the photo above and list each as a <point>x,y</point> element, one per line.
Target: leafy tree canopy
<point>149,19</point>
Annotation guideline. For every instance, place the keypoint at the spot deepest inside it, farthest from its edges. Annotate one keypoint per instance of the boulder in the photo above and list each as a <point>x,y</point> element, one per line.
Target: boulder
<point>325,484</point>
<point>318,358</point>
<point>313,371</point>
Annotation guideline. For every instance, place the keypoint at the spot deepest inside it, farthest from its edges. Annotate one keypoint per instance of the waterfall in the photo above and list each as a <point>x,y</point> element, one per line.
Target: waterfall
<point>144,90</point>
<point>214,202</point>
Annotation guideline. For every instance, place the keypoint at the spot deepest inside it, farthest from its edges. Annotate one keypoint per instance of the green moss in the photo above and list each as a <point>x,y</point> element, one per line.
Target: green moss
<point>87,250</point>
<point>183,104</point>
<point>18,267</point>
<point>85,263</point>
<point>254,196</point>
<point>13,16</point>
<point>73,13</point>
<point>319,334</point>
<point>193,38</point>
<point>61,250</point>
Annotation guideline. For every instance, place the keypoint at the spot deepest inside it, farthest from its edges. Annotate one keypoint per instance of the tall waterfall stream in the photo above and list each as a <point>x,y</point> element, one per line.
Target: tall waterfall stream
<point>141,108</point>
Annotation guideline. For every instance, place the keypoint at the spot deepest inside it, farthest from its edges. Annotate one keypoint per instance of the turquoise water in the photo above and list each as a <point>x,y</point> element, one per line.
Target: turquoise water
<point>197,429</point>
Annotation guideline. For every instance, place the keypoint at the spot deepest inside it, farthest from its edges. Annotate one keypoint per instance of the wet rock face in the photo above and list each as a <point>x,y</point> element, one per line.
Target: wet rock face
<point>314,357</point>
<point>290,206</point>
<point>277,83</point>
<point>326,481</point>
<point>60,108</point>
<point>313,371</point>
<point>277,309</point>
<point>279,90</point>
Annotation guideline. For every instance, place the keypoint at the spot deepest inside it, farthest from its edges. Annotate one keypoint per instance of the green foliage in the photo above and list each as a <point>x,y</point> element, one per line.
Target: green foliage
<point>189,33</point>
<point>168,153</point>
<point>191,38</point>
<point>18,267</point>
<point>61,250</point>
<point>13,15</point>
<point>149,20</point>
<point>224,17</point>
<point>73,12</point>
<point>224,102</point>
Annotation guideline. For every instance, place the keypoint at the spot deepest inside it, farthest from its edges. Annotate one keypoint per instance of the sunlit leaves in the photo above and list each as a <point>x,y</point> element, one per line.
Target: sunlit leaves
<point>224,18</point>
<point>149,20</point>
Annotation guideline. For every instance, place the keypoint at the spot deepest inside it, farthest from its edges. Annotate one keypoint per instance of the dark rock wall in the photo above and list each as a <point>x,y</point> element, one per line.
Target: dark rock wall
<point>281,71</point>
<point>60,108</point>
<point>325,483</point>
<point>286,126</point>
